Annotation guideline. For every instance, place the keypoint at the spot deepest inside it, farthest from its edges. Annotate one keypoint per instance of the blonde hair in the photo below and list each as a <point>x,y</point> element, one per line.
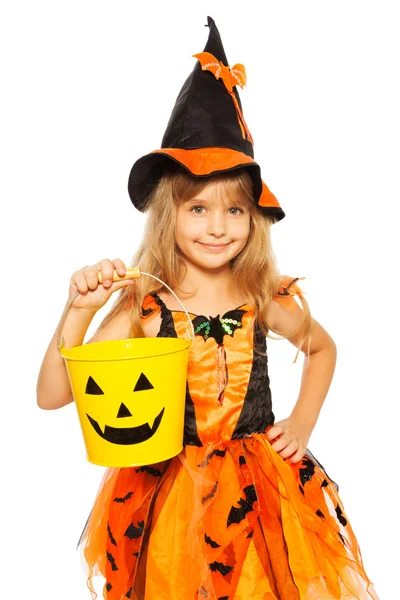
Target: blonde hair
<point>254,268</point>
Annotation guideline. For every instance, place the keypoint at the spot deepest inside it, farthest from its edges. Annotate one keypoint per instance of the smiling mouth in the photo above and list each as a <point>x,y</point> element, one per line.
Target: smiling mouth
<point>126,436</point>
<point>215,245</point>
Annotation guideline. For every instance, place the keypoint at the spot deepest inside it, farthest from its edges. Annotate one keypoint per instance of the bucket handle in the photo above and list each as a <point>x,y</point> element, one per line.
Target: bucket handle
<point>132,272</point>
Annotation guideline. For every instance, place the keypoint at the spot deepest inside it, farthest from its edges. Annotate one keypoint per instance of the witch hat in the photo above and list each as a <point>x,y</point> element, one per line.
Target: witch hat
<point>206,133</point>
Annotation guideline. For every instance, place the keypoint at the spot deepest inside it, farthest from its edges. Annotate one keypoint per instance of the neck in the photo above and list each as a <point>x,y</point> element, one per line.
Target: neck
<point>206,283</point>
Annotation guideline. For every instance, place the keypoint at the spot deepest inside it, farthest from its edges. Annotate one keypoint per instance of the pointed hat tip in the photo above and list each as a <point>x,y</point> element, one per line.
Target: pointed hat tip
<point>210,21</point>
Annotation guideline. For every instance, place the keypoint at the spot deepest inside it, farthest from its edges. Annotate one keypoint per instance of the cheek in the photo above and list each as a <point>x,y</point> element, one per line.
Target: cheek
<point>241,229</point>
<point>187,228</point>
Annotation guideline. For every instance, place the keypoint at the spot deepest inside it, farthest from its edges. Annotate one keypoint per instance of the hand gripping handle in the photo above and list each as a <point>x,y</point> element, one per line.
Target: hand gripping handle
<point>131,272</point>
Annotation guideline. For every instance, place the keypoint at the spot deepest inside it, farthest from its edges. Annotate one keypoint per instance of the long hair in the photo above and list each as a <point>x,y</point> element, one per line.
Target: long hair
<point>254,269</point>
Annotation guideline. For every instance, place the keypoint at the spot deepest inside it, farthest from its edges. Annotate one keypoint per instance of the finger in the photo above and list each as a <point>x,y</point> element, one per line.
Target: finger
<point>81,283</point>
<point>75,276</point>
<point>297,457</point>
<point>290,449</point>
<point>91,277</point>
<point>274,431</point>
<point>119,267</point>
<point>283,441</point>
<point>107,270</point>
<point>116,285</point>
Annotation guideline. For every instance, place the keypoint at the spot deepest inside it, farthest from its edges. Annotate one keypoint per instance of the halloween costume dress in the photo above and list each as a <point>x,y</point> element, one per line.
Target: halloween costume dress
<point>228,518</point>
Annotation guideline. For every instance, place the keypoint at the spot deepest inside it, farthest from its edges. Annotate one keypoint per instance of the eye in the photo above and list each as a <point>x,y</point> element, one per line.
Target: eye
<point>236,208</point>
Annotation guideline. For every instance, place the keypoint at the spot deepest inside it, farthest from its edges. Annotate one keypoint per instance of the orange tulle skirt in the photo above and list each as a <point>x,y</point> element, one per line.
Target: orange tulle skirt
<point>226,521</point>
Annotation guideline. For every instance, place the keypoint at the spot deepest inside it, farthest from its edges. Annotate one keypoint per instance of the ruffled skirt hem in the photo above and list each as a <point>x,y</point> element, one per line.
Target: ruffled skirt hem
<point>226,521</point>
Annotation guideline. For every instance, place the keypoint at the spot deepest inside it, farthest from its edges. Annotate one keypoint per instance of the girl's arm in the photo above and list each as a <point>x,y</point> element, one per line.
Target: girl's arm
<point>317,372</point>
<point>53,389</point>
<point>294,432</point>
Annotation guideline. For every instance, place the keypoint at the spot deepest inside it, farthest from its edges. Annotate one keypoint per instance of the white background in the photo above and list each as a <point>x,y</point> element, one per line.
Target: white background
<point>88,87</point>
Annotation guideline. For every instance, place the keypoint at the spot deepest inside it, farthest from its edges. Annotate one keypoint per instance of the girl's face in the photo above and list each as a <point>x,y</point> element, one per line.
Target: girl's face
<point>211,229</point>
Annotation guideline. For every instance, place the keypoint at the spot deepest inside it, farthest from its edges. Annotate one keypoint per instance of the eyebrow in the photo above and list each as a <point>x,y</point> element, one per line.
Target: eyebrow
<point>194,200</point>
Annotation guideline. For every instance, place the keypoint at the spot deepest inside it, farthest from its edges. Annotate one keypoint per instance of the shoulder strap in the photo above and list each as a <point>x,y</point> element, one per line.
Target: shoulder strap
<point>287,290</point>
<point>149,306</point>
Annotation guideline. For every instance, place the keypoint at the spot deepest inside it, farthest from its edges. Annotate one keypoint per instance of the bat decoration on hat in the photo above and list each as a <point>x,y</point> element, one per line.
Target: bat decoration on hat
<point>230,76</point>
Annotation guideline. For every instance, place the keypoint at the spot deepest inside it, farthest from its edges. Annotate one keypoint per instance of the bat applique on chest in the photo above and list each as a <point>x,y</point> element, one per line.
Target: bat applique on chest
<point>217,327</point>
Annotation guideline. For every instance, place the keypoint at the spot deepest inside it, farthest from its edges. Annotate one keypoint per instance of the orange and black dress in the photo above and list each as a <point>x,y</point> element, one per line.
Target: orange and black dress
<point>228,518</point>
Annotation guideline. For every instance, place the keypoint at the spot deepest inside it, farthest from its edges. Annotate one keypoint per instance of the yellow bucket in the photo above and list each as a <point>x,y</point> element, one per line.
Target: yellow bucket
<point>130,394</point>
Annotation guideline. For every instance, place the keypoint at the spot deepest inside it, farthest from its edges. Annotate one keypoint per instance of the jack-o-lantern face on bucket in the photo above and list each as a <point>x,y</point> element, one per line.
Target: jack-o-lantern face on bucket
<point>124,435</point>
<point>131,410</point>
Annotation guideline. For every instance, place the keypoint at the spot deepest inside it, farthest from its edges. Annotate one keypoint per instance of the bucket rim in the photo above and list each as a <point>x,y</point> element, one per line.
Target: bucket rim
<point>187,344</point>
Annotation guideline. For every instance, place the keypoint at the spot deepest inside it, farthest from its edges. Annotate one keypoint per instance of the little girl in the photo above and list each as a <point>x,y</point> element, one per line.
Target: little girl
<point>245,511</point>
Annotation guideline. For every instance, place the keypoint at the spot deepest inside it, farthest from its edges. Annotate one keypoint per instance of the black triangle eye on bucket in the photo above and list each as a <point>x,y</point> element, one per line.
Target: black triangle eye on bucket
<point>130,394</point>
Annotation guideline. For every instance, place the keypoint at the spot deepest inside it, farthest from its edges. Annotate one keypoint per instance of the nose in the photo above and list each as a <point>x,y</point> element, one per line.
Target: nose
<point>216,223</point>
